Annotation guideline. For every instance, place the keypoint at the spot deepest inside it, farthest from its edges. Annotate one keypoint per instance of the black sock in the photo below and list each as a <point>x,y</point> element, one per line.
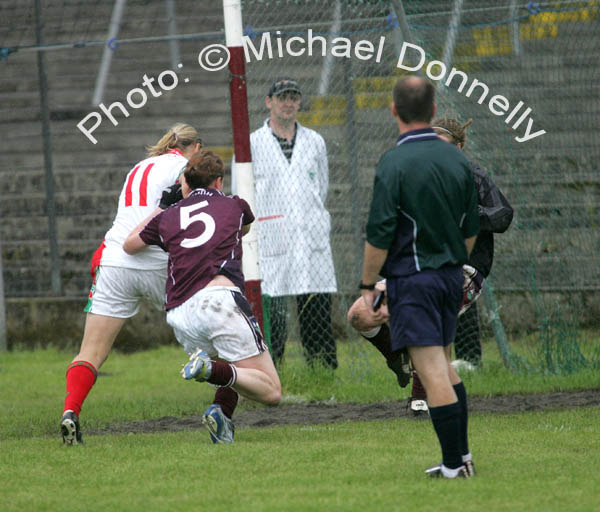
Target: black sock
<point>446,422</point>
<point>461,393</point>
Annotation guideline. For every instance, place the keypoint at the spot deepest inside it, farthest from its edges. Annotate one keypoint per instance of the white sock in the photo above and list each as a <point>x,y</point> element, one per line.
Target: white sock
<point>371,333</point>
<point>467,457</point>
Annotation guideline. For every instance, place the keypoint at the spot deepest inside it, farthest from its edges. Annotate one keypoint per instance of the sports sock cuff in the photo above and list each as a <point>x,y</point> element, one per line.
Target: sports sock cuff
<point>81,377</point>
<point>233,377</point>
<point>444,411</point>
<point>222,374</point>
<point>467,457</point>
<point>85,364</point>
<point>371,333</point>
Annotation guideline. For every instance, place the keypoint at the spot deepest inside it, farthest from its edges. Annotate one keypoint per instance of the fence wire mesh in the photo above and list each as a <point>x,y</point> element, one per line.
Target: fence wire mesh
<point>541,56</point>
<point>534,57</point>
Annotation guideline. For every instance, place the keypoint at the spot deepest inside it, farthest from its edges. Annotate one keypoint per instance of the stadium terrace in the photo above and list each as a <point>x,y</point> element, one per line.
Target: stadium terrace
<point>296,46</point>
<point>498,104</point>
<point>275,46</point>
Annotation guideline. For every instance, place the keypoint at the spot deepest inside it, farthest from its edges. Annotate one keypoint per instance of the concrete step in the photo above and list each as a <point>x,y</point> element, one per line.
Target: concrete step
<point>563,241</point>
<point>91,226</point>
<point>66,203</point>
<point>545,272</point>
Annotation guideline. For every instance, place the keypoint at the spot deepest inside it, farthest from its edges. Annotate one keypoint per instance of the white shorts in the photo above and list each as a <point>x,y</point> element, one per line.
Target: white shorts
<point>117,291</point>
<point>219,320</point>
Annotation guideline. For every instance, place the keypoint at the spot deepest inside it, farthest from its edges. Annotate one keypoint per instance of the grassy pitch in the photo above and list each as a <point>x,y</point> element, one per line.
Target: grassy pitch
<point>534,461</point>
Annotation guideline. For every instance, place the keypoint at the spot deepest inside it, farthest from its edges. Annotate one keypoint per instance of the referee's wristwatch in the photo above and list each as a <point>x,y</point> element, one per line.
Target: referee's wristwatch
<point>363,286</point>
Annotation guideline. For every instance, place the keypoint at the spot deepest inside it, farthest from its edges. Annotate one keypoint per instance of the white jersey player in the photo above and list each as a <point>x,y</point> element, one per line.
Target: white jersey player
<point>121,281</point>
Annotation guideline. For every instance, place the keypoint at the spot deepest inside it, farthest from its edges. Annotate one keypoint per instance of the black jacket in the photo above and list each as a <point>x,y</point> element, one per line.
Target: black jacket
<point>495,215</point>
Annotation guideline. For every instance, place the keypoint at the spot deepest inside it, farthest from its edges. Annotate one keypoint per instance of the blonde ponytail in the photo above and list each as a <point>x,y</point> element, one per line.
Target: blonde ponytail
<point>179,136</point>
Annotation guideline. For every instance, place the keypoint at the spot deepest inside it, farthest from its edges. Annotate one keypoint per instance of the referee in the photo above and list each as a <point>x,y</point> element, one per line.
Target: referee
<point>422,225</point>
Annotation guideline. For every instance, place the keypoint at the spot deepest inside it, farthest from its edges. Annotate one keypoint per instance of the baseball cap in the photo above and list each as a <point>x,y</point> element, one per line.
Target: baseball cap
<point>282,85</point>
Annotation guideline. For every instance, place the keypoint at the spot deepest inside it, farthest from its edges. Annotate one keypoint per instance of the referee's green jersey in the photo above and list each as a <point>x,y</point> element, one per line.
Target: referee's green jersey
<point>424,205</point>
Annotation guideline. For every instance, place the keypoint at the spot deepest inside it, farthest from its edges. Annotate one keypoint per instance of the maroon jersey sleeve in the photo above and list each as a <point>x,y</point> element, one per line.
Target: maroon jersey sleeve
<point>248,217</point>
<point>150,234</point>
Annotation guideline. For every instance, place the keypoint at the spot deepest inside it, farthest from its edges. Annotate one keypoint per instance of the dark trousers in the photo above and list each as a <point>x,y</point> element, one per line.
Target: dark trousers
<point>316,333</point>
<point>467,343</point>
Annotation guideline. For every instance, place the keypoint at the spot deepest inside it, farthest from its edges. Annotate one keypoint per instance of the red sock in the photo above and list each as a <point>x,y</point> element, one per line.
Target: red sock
<point>81,376</point>
<point>418,391</point>
<point>222,374</point>
<point>227,398</point>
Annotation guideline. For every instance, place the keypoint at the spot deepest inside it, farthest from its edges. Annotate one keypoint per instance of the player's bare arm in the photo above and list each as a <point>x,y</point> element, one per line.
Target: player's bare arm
<point>133,243</point>
<point>374,259</point>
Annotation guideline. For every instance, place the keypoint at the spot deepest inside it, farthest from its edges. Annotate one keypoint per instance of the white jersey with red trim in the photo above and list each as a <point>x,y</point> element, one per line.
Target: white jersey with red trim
<point>139,198</point>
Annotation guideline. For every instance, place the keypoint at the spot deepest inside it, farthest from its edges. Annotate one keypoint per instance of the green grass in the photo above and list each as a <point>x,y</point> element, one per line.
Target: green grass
<point>542,461</point>
<point>137,386</point>
<point>147,385</point>
<point>526,462</point>
<point>364,377</point>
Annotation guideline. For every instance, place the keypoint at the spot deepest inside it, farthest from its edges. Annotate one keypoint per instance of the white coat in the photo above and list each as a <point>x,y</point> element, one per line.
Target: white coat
<point>293,225</point>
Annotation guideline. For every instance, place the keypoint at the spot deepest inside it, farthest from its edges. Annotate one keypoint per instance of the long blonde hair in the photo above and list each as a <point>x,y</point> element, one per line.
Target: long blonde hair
<point>449,126</point>
<point>179,136</point>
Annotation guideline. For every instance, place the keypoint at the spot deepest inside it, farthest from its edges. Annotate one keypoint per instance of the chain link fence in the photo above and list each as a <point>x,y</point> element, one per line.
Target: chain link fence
<point>519,71</point>
<point>515,68</point>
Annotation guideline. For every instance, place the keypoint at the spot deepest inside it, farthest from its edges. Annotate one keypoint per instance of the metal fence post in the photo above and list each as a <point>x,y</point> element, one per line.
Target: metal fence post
<point>50,204</point>
<point>172,30</point>
<point>451,36</point>
<point>113,32</point>
<point>3,342</point>
<point>351,146</point>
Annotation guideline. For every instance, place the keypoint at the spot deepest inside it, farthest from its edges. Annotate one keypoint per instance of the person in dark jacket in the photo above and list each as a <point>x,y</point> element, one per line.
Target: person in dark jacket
<point>495,216</point>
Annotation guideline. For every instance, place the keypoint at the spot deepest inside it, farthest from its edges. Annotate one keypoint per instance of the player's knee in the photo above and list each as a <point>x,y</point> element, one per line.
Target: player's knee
<point>273,397</point>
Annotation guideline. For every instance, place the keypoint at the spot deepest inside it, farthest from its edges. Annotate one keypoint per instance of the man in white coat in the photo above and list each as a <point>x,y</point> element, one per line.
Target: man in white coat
<point>291,178</point>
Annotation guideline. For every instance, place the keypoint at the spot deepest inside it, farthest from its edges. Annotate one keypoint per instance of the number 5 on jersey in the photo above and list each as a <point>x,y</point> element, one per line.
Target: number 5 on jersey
<point>187,217</point>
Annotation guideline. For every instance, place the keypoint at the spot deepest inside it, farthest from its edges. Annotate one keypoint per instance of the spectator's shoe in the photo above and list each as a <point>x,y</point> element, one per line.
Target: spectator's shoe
<point>418,406</point>
<point>439,471</point>
<point>221,428</point>
<point>400,365</point>
<point>199,367</point>
<point>69,427</point>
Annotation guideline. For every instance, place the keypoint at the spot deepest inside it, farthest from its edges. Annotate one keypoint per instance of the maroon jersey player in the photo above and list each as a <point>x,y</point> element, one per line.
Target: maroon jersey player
<point>202,236</point>
<point>204,292</point>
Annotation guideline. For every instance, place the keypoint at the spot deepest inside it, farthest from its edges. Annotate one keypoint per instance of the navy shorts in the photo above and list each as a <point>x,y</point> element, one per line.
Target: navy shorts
<point>424,307</point>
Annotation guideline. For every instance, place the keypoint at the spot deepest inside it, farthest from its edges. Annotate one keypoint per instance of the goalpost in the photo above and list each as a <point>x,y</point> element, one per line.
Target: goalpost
<point>232,11</point>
